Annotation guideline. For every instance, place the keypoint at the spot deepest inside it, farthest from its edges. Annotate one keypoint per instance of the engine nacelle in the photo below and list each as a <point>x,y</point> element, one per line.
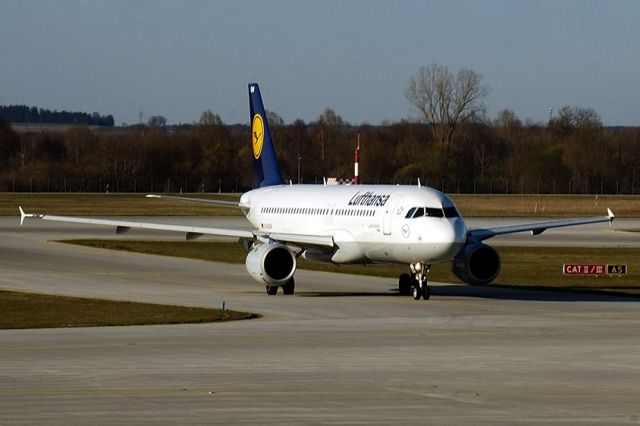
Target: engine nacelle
<point>476,264</point>
<point>272,264</point>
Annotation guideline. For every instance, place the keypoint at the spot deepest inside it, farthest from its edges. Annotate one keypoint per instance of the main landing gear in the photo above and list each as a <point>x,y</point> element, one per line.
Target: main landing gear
<point>287,288</point>
<point>416,283</point>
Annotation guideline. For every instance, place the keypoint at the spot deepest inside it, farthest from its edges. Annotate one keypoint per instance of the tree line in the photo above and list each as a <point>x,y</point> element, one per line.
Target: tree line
<point>25,114</point>
<point>573,153</point>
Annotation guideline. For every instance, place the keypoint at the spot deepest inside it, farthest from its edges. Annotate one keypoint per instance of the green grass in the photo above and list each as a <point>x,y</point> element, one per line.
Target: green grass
<point>29,310</point>
<point>469,205</point>
<point>546,205</point>
<point>111,205</point>
<point>524,267</point>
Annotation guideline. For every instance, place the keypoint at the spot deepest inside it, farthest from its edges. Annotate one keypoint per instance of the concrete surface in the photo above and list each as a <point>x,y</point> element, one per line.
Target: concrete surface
<point>343,350</point>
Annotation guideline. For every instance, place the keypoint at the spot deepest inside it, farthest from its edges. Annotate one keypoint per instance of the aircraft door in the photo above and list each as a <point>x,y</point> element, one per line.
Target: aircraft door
<point>389,212</point>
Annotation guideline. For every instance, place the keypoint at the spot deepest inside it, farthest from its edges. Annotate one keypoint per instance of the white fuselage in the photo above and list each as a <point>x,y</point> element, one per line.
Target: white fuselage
<point>368,223</point>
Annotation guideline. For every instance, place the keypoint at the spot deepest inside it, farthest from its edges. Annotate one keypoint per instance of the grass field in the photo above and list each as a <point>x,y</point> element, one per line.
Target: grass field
<point>108,205</point>
<point>525,267</point>
<point>546,205</point>
<point>28,310</point>
<point>469,205</point>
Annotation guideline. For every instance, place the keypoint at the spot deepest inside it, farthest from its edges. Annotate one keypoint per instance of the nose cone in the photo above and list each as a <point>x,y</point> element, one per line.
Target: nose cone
<point>444,238</point>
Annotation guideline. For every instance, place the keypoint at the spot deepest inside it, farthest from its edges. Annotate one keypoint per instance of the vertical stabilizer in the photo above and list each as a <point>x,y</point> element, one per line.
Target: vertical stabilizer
<point>265,166</point>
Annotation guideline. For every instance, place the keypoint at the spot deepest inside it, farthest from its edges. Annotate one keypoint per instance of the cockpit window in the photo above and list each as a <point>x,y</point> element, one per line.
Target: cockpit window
<point>434,212</point>
<point>451,212</point>
<point>416,212</point>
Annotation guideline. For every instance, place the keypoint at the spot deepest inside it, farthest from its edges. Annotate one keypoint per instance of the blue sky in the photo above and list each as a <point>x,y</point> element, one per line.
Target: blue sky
<point>179,58</point>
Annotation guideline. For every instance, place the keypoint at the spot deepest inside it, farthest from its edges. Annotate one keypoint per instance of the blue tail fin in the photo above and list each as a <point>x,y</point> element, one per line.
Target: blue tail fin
<point>265,166</point>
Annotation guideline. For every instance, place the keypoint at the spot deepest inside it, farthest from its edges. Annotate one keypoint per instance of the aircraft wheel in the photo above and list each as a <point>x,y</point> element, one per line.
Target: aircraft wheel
<point>289,287</point>
<point>426,292</point>
<point>272,290</point>
<point>417,292</point>
<point>404,284</point>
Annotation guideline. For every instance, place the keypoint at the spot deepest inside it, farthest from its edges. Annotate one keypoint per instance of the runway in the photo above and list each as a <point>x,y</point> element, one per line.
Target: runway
<point>343,350</point>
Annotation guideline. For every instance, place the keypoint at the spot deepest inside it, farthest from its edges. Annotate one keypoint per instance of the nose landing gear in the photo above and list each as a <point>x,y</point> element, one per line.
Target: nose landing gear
<point>416,283</point>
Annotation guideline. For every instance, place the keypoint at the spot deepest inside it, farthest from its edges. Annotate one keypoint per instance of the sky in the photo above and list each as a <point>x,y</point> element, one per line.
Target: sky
<point>180,58</point>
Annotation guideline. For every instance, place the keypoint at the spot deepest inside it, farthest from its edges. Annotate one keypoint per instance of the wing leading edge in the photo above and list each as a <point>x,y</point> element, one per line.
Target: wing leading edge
<point>481,234</point>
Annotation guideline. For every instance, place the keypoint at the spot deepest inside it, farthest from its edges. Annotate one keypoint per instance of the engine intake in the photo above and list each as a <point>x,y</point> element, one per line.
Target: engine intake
<point>476,264</point>
<point>272,264</point>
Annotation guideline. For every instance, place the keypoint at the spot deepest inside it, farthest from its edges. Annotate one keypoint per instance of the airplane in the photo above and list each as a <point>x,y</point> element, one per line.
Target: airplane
<point>344,224</point>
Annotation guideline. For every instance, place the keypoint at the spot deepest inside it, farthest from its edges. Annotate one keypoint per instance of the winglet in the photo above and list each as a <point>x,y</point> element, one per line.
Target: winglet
<point>23,215</point>
<point>611,216</point>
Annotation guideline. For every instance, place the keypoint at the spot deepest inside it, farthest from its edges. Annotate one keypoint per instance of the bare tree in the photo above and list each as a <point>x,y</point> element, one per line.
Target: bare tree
<point>208,118</point>
<point>330,118</point>
<point>157,121</point>
<point>446,101</point>
<point>274,119</point>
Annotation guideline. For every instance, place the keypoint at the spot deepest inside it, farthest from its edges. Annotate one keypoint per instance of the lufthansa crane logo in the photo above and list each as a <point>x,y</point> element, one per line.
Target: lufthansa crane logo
<point>257,135</point>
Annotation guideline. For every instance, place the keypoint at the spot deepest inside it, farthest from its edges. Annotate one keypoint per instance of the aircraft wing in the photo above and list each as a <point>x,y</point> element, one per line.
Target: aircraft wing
<point>222,203</point>
<point>536,228</point>
<point>192,232</point>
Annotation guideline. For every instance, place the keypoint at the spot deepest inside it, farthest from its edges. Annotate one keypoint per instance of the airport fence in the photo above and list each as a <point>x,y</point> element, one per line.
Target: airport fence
<point>132,185</point>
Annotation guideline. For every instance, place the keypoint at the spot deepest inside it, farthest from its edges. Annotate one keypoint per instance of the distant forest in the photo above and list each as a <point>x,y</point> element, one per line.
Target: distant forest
<point>572,153</point>
<point>25,114</point>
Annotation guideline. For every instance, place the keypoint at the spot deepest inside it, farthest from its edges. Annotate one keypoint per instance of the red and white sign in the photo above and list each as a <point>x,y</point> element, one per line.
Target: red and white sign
<point>584,269</point>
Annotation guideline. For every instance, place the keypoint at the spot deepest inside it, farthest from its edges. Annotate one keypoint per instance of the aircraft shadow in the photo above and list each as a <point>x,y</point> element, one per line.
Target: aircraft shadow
<point>494,292</point>
<point>547,294</point>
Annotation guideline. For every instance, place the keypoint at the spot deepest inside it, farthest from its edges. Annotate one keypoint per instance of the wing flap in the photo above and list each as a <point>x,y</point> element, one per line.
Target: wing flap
<point>323,242</point>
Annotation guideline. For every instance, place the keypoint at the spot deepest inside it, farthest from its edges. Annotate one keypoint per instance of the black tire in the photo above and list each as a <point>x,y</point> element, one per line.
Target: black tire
<point>417,292</point>
<point>426,292</point>
<point>289,287</point>
<point>272,290</point>
<point>404,284</point>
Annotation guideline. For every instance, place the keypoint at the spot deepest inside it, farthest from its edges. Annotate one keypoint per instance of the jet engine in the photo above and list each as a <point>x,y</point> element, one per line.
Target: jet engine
<point>476,264</point>
<point>272,264</point>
